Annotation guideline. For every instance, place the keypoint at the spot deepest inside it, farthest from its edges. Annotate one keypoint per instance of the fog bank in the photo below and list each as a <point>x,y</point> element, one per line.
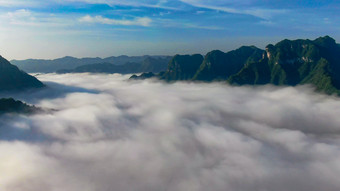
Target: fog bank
<point>108,133</point>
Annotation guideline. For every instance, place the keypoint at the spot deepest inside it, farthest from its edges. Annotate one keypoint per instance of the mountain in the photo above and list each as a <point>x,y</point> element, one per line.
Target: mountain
<point>46,66</point>
<point>68,63</point>
<point>215,66</point>
<point>218,65</point>
<point>143,76</point>
<point>289,62</point>
<point>9,105</point>
<point>182,67</point>
<point>296,62</point>
<point>149,64</point>
<point>11,78</point>
<point>156,65</point>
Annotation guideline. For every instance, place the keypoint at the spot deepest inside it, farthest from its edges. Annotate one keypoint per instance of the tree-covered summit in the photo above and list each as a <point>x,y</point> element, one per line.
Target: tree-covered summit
<point>289,62</point>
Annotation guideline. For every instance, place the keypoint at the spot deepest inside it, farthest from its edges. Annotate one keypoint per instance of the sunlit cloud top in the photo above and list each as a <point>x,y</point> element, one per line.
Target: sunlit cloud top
<point>55,28</point>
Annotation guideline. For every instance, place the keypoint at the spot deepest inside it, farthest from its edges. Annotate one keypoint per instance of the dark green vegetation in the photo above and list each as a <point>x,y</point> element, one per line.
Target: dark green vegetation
<point>69,63</point>
<point>219,66</point>
<point>296,62</point>
<point>315,62</point>
<point>9,105</point>
<point>143,76</point>
<point>182,67</point>
<point>149,64</point>
<point>11,78</point>
<point>216,65</point>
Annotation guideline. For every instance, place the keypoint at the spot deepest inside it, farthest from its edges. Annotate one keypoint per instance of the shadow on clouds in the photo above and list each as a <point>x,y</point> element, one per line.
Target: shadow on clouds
<point>108,133</point>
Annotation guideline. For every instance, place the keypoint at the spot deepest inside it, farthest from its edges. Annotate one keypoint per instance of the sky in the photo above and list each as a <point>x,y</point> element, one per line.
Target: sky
<point>90,28</point>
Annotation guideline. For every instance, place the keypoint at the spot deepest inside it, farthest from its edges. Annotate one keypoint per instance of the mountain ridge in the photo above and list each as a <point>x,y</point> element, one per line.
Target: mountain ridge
<point>149,64</point>
<point>10,105</point>
<point>296,62</point>
<point>69,62</point>
<point>11,78</point>
<point>288,62</point>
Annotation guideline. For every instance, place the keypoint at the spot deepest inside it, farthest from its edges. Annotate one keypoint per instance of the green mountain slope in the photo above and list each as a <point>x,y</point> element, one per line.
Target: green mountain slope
<point>296,62</point>
<point>218,65</point>
<point>289,62</point>
<point>9,105</point>
<point>182,67</point>
<point>215,66</point>
<point>11,78</point>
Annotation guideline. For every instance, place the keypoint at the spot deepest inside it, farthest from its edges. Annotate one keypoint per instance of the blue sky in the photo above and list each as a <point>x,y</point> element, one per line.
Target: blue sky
<point>90,28</point>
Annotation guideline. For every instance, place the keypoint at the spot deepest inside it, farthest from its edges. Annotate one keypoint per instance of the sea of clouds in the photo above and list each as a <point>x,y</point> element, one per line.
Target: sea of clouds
<point>106,133</point>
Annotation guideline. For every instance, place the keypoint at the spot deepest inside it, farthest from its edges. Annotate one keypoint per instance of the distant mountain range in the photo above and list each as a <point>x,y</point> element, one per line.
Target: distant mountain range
<point>148,64</point>
<point>70,63</point>
<point>289,62</point>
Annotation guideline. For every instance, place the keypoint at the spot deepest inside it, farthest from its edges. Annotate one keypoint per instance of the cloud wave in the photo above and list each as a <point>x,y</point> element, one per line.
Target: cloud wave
<point>123,135</point>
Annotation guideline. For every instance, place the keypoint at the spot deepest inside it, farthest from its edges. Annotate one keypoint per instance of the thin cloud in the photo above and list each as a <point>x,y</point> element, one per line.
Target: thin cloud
<point>23,3</point>
<point>27,18</point>
<point>169,23</point>
<point>161,4</point>
<point>262,13</point>
<point>139,21</point>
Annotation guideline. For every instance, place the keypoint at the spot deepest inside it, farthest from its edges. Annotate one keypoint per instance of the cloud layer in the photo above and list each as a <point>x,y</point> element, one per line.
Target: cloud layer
<point>144,21</point>
<point>112,134</point>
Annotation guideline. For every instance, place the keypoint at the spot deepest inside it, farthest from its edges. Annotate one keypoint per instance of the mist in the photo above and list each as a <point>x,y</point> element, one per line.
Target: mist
<point>108,133</point>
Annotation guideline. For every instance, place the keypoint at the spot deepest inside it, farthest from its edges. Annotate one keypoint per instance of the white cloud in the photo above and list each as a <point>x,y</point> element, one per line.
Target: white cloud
<point>22,3</point>
<point>26,18</point>
<point>183,24</point>
<point>133,3</point>
<point>148,136</point>
<point>234,7</point>
<point>22,17</point>
<point>19,13</point>
<point>139,21</point>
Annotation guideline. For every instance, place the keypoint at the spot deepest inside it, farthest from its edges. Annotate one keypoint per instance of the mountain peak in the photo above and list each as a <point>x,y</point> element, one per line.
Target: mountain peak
<point>68,57</point>
<point>14,79</point>
<point>252,47</point>
<point>288,62</point>
<point>326,41</point>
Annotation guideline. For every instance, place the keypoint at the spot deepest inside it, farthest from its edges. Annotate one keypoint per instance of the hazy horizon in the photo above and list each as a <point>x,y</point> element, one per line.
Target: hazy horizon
<point>181,53</point>
<point>101,28</point>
